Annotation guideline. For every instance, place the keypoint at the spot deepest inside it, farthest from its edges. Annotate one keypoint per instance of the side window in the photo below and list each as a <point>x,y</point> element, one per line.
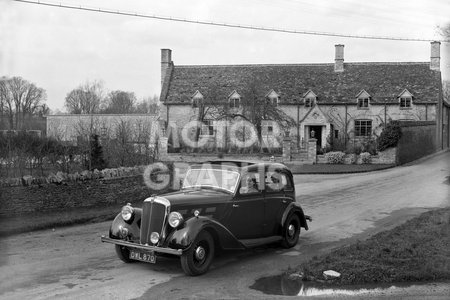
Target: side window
<point>276,181</point>
<point>249,183</point>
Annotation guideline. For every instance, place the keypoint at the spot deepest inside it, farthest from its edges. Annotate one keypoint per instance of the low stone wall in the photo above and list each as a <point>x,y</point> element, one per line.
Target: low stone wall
<point>387,157</point>
<point>202,157</point>
<point>61,177</point>
<point>19,200</point>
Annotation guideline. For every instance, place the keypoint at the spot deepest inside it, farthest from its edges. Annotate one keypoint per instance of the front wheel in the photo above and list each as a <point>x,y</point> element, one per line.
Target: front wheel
<point>123,253</point>
<point>198,258</point>
<point>291,231</point>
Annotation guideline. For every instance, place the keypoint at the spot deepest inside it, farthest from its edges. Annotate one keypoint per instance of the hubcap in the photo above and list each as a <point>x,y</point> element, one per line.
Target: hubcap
<point>291,230</point>
<point>200,253</point>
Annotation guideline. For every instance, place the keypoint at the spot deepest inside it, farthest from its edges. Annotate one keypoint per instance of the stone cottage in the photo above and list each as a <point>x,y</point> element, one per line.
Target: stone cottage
<point>326,101</point>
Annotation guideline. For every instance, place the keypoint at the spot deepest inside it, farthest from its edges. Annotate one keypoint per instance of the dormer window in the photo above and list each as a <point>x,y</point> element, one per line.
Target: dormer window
<point>310,98</point>
<point>405,102</point>
<point>273,97</point>
<point>363,100</point>
<point>405,99</point>
<point>234,100</point>
<point>309,102</point>
<point>197,99</point>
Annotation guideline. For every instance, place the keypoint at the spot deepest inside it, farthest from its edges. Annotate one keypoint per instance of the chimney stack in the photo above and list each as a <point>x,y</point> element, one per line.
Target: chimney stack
<point>435,61</point>
<point>166,61</point>
<point>339,58</point>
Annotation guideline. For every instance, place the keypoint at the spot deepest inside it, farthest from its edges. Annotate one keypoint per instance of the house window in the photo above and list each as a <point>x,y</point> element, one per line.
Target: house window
<point>309,102</point>
<point>336,134</point>
<point>267,128</point>
<point>405,102</point>
<point>363,103</point>
<point>207,127</point>
<point>196,102</point>
<point>197,99</point>
<point>273,100</point>
<point>363,127</point>
<point>272,97</point>
<point>234,102</point>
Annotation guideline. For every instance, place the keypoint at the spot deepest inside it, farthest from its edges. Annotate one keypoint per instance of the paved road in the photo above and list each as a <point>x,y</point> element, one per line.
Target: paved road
<point>72,263</point>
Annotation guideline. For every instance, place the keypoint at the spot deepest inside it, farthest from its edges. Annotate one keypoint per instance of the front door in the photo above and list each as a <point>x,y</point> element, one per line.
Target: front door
<point>316,133</point>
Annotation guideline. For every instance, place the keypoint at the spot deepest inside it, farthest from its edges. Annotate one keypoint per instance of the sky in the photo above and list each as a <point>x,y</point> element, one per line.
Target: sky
<point>59,49</point>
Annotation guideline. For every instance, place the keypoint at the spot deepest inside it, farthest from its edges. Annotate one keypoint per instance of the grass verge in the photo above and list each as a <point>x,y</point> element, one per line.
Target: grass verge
<point>415,251</point>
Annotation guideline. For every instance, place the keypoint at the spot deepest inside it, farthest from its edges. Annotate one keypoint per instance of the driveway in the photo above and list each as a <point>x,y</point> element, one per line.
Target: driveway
<point>72,263</point>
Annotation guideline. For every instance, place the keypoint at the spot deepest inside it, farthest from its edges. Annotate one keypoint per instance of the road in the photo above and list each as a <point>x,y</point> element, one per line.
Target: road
<point>72,263</point>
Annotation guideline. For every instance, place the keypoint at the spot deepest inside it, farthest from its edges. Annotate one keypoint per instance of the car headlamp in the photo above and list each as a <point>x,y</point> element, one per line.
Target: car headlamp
<point>127,212</point>
<point>154,237</point>
<point>175,219</point>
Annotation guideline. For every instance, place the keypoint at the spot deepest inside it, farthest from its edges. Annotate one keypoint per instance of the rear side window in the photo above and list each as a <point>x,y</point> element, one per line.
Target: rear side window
<point>277,181</point>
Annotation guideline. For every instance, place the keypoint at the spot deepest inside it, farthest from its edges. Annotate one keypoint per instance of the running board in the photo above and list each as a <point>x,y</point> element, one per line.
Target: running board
<point>251,243</point>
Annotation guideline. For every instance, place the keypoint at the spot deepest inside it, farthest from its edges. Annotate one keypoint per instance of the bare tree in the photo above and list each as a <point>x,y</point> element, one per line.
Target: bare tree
<point>120,102</point>
<point>85,99</point>
<point>149,105</point>
<point>19,99</point>
<point>254,107</point>
<point>4,98</point>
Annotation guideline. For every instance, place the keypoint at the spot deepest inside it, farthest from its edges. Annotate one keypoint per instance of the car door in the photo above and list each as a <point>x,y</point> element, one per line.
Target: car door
<point>247,212</point>
<point>277,199</point>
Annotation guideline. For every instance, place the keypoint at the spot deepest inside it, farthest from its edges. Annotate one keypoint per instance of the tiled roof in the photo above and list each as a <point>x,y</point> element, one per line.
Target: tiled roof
<point>383,81</point>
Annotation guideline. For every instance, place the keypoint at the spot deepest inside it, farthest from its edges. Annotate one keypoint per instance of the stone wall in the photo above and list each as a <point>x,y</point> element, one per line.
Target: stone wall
<point>18,200</point>
<point>61,177</point>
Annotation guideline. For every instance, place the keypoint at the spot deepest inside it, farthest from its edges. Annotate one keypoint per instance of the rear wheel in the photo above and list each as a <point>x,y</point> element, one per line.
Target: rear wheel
<point>291,231</point>
<point>198,258</point>
<point>123,253</point>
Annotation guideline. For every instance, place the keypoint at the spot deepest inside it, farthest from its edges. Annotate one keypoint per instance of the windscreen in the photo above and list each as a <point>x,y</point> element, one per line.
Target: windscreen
<point>216,178</point>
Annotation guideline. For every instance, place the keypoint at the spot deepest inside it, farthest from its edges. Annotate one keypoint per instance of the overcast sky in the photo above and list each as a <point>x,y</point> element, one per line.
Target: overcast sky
<point>59,49</point>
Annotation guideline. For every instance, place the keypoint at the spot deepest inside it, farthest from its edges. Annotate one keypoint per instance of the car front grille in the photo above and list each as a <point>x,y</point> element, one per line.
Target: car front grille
<point>154,216</point>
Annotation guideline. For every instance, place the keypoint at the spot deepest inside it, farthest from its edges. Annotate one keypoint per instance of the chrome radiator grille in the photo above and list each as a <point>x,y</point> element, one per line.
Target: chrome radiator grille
<point>154,214</point>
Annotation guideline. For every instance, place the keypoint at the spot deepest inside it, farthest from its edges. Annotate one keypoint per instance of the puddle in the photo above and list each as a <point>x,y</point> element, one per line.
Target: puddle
<point>283,285</point>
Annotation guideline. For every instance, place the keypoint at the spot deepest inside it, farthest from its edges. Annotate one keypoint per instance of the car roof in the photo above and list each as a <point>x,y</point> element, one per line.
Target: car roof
<point>242,165</point>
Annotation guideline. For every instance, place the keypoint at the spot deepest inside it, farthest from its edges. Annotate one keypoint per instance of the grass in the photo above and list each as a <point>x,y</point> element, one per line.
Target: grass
<point>415,251</point>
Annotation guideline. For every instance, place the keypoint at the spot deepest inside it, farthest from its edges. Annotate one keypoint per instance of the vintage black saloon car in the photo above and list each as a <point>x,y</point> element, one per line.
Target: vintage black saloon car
<point>222,205</point>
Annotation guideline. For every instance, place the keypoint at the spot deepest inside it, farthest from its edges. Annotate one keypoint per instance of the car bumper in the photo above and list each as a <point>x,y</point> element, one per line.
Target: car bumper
<point>177,252</point>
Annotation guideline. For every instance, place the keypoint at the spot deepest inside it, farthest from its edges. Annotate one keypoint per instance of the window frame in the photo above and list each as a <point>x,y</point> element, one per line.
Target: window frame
<point>234,100</point>
<point>363,103</point>
<point>359,126</point>
<point>309,102</point>
<point>207,128</point>
<point>407,100</point>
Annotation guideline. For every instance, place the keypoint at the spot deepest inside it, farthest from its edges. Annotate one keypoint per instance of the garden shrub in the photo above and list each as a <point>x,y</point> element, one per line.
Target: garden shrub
<point>365,157</point>
<point>351,158</point>
<point>390,136</point>
<point>335,157</point>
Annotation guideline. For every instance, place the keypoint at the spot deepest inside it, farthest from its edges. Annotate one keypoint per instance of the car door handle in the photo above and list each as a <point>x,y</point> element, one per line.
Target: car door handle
<point>235,205</point>
<point>284,201</point>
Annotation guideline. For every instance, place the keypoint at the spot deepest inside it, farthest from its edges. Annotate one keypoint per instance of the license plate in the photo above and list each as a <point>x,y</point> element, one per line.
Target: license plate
<point>149,257</point>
